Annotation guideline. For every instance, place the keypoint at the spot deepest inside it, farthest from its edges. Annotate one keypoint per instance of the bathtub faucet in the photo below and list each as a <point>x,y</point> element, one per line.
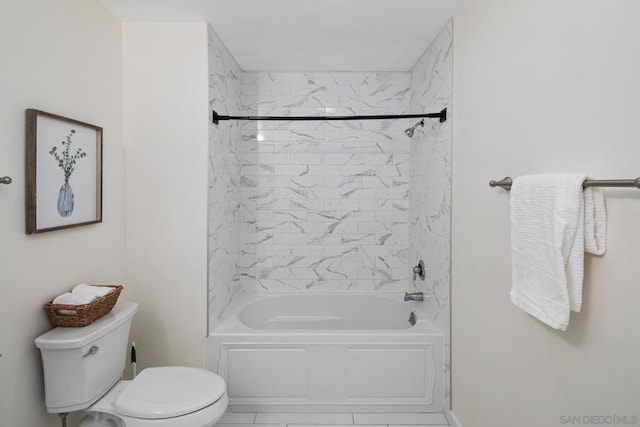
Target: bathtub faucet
<point>414,296</point>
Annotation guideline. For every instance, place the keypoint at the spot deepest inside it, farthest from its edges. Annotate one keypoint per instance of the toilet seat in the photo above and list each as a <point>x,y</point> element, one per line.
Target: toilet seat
<point>169,392</point>
<point>113,403</point>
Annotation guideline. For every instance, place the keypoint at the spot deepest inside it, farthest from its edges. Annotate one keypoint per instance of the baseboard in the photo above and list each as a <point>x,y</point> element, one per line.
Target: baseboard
<point>333,408</point>
<point>453,421</point>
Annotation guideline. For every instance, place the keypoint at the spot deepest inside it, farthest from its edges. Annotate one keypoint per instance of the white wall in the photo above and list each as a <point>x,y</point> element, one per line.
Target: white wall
<point>165,134</point>
<point>544,86</point>
<point>63,57</point>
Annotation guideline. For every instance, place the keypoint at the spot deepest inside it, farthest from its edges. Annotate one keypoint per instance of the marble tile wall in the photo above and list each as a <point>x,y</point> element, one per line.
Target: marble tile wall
<point>225,78</point>
<point>430,183</point>
<point>325,204</point>
<point>330,205</point>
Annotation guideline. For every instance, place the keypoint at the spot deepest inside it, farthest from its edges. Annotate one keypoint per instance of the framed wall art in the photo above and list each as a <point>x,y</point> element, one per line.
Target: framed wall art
<point>63,172</point>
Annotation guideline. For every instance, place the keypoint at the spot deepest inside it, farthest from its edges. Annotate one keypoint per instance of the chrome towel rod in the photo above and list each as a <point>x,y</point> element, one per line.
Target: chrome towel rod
<point>507,181</point>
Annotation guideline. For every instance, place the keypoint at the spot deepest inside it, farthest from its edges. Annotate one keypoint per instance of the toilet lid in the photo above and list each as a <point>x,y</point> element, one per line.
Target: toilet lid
<point>169,392</point>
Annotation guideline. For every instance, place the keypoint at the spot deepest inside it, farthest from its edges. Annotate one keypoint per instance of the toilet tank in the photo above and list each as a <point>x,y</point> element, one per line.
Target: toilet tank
<point>82,364</point>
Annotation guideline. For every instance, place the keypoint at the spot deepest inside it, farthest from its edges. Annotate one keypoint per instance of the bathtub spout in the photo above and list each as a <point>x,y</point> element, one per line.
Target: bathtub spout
<point>414,296</point>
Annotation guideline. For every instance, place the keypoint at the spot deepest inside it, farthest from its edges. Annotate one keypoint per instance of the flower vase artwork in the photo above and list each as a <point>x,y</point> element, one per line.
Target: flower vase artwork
<point>66,162</point>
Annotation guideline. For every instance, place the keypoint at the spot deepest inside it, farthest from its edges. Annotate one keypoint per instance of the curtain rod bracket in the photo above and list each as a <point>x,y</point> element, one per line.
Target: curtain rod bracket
<point>217,117</point>
<point>443,115</point>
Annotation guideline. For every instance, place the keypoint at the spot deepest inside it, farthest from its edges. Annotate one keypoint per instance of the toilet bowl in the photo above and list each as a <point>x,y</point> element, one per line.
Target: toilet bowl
<point>82,370</point>
<point>164,397</point>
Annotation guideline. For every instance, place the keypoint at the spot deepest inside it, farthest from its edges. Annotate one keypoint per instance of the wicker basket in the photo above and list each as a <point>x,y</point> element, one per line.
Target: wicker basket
<point>85,313</point>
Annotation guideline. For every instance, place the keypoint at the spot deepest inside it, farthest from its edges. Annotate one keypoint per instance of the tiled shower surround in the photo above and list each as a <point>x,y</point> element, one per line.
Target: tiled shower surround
<point>224,180</point>
<point>430,184</point>
<point>325,204</point>
<point>330,205</point>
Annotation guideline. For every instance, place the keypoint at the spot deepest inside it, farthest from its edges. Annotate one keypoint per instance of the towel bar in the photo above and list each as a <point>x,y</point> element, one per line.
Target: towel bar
<point>506,183</point>
<point>5,180</point>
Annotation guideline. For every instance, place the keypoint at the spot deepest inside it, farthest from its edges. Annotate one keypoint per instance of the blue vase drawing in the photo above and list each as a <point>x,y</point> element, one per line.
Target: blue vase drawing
<point>66,160</point>
<point>65,200</point>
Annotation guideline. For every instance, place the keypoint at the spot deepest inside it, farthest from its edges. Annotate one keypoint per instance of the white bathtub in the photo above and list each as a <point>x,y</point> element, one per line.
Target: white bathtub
<point>333,352</point>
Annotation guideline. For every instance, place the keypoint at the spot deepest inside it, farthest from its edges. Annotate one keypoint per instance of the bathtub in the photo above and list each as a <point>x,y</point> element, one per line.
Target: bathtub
<point>328,352</point>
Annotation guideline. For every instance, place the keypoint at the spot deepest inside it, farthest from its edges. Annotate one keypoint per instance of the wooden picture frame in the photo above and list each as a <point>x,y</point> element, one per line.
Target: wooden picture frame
<point>63,172</point>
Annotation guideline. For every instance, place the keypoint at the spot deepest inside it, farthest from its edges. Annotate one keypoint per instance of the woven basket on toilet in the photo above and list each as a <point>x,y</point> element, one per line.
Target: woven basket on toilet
<point>85,314</point>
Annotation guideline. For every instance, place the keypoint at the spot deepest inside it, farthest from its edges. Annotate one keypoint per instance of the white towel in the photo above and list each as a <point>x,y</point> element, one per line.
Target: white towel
<point>96,291</point>
<point>595,221</point>
<point>80,295</point>
<point>69,298</point>
<point>547,244</point>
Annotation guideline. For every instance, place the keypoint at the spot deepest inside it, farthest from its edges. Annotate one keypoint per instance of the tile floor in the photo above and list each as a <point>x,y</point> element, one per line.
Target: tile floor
<point>269,419</point>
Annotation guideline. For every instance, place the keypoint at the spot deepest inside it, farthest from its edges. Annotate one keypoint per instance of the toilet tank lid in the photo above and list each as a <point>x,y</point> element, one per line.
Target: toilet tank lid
<point>63,337</point>
<point>169,391</point>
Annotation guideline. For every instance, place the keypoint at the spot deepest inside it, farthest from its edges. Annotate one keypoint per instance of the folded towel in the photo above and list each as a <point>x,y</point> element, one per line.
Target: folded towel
<point>69,298</point>
<point>80,295</point>
<point>96,291</point>
<point>547,246</point>
<point>72,299</point>
<point>595,221</point>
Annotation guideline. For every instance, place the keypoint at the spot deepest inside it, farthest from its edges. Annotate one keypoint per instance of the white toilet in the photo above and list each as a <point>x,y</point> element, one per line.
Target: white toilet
<point>82,370</point>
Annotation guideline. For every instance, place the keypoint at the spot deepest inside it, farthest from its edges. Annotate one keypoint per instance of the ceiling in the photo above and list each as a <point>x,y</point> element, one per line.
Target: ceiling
<point>307,35</point>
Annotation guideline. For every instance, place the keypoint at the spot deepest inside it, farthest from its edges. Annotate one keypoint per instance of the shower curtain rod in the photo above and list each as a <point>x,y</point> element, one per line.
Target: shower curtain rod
<point>442,115</point>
